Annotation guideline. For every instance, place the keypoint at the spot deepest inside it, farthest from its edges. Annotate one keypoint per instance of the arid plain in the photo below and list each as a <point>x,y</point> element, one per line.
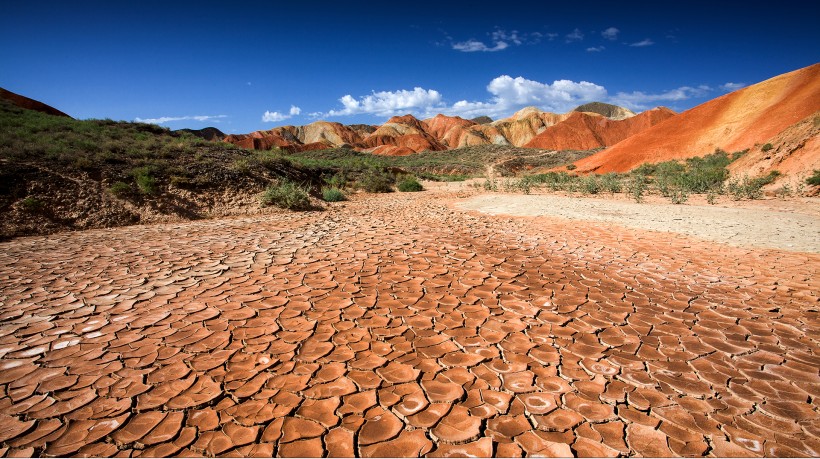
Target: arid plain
<point>402,325</point>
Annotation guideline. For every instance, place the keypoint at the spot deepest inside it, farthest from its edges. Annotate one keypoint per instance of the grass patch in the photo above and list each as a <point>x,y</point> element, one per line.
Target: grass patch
<point>332,194</point>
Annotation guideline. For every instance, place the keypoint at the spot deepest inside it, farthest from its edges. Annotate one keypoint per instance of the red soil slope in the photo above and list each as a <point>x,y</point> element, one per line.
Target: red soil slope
<point>794,152</point>
<point>585,131</point>
<point>735,121</point>
<point>454,131</point>
<point>29,104</point>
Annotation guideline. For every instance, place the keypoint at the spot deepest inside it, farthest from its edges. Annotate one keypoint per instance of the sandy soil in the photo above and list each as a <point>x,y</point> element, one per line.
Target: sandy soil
<point>788,225</point>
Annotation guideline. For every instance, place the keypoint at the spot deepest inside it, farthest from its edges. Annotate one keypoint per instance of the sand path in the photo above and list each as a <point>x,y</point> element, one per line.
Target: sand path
<point>743,227</point>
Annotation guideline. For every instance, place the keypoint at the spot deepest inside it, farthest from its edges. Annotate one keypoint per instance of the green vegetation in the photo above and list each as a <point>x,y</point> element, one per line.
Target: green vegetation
<point>766,147</point>
<point>146,183</point>
<point>636,186</point>
<point>31,204</point>
<point>750,188</point>
<point>451,165</point>
<point>287,195</point>
<point>376,180</point>
<point>590,184</point>
<point>409,184</point>
<point>571,167</point>
<point>332,194</point>
<point>611,183</point>
<point>676,180</point>
<point>814,180</point>
<point>120,189</point>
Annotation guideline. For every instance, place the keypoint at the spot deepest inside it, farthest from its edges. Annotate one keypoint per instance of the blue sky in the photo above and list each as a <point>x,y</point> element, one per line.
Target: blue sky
<point>245,66</point>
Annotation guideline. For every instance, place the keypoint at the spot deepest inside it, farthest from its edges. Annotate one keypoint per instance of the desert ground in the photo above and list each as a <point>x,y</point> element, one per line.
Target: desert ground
<point>447,322</point>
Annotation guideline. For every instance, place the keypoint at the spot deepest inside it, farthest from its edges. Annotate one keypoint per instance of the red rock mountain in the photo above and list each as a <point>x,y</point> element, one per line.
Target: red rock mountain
<point>30,104</point>
<point>405,135</point>
<point>585,131</point>
<point>742,119</point>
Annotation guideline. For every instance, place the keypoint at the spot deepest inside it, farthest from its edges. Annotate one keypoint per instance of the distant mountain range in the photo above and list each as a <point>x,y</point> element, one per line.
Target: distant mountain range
<point>589,126</point>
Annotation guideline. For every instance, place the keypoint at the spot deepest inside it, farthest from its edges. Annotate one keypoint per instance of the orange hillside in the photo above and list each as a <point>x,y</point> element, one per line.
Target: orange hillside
<point>735,121</point>
<point>585,131</point>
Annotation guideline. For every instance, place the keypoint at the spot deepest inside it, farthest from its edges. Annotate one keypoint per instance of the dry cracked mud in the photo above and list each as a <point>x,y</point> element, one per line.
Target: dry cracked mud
<point>395,325</point>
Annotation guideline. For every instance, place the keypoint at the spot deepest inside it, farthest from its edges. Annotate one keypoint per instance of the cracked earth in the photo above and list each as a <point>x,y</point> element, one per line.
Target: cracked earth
<point>395,325</point>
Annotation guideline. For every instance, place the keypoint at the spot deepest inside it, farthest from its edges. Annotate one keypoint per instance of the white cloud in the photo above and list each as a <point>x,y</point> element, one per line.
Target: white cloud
<point>575,35</point>
<point>275,117</point>
<point>642,43</point>
<point>499,40</point>
<point>471,46</point>
<point>388,103</point>
<point>610,33</point>
<point>596,49</point>
<point>639,100</point>
<point>507,95</point>
<point>166,119</point>
<point>729,87</point>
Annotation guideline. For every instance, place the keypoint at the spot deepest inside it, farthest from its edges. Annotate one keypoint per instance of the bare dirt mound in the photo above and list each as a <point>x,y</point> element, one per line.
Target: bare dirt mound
<point>29,104</point>
<point>585,131</point>
<point>733,122</point>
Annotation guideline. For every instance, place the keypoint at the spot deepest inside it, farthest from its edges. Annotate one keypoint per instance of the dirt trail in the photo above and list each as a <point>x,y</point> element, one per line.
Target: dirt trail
<point>393,325</point>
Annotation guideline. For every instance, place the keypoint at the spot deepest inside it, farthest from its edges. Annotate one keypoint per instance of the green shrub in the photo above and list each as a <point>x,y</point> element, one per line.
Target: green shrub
<point>678,195</point>
<point>590,184</point>
<point>524,184</point>
<point>490,185</point>
<point>146,183</point>
<point>814,180</point>
<point>750,188</point>
<point>31,204</point>
<point>338,180</point>
<point>554,180</point>
<point>120,189</point>
<point>646,169</point>
<point>571,167</point>
<point>766,147</point>
<point>711,197</point>
<point>784,191</point>
<point>409,184</point>
<point>738,154</point>
<point>636,187</point>
<point>376,181</point>
<point>611,183</point>
<point>332,194</point>
<point>287,195</point>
